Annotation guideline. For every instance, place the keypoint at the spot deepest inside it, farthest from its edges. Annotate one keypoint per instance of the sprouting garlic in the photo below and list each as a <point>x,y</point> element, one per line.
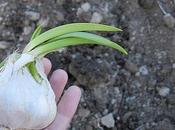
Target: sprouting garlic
<point>25,103</point>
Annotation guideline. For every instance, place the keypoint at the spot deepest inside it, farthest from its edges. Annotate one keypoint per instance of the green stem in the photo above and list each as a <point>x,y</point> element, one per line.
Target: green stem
<point>36,33</point>
<point>32,66</point>
<point>32,69</point>
<point>2,63</point>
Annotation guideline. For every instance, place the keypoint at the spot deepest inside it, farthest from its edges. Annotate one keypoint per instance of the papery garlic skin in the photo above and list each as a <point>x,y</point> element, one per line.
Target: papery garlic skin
<point>25,103</point>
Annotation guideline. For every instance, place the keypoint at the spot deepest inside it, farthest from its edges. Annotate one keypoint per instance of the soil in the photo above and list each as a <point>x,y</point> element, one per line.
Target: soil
<point>134,92</point>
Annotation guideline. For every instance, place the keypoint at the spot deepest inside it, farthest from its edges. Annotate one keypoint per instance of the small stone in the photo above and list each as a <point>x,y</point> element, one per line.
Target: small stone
<point>83,113</point>
<point>83,12</point>
<point>79,11</point>
<point>27,30</point>
<point>164,91</point>
<point>96,17</point>
<point>105,112</point>
<point>143,70</point>
<point>1,19</point>
<point>101,98</point>
<point>131,67</point>
<point>173,65</point>
<point>126,116</point>
<point>88,127</point>
<point>169,20</point>
<point>116,1</point>
<point>77,1</point>
<point>146,4</point>
<point>60,2</point>
<point>32,15</point>
<point>59,16</point>
<point>171,100</point>
<point>44,22</point>
<point>85,7</point>
<point>4,44</point>
<point>108,121</point>
<point>142,127</point>
<point>83,15</point>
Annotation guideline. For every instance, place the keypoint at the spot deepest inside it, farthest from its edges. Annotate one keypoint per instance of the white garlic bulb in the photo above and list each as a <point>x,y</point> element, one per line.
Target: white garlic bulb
<point>25,103</point>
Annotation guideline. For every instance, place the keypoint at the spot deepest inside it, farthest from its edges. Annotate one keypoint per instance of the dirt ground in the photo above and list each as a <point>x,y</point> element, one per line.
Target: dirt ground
<point>134,92</point>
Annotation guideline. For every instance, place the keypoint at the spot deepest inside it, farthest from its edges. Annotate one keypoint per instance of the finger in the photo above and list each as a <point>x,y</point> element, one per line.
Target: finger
<point>47,65</point>
<point>58,81</point>
<point>66,109</point>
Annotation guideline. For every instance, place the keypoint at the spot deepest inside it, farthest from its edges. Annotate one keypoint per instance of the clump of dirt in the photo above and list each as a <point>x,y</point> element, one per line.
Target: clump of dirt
<point>134,92</point>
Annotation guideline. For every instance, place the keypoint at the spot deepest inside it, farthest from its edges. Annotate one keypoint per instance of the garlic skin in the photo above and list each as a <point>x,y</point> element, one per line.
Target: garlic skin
<point>25,103</point>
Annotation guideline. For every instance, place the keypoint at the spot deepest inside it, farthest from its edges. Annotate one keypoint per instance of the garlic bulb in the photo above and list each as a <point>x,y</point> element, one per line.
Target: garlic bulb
<point>25,103</point>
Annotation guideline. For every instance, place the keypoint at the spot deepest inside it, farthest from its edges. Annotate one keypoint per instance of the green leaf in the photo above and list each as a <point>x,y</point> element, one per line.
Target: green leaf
<point>2,63</point>
<point>31,66</point>
<point>98,39</point>
<point>64,29</point>
<point>32,69</point>
<point>36,32</point>
<point>53,46</point>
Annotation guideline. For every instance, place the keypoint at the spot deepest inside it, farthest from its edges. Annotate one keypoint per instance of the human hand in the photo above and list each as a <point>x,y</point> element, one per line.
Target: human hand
<point>67,105</point>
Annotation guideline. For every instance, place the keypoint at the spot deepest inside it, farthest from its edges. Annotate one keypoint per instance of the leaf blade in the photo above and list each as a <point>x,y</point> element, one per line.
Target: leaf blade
<point>96,38</point>
<point>68,28</point>
<point>36,32</point>
<point>50,47</point>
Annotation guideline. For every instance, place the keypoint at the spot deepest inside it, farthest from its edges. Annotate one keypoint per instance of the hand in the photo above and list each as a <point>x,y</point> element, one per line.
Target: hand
<point>67,105</point>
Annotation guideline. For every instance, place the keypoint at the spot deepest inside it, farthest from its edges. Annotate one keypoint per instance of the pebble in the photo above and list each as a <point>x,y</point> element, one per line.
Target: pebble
<point>143,70</point>
<point>126,116</point>
<point>83,12</point>
<point>164,91</point>
<point>59,16</point>
<point>146,4</point>
<point>116,1</point>
<point>76,1</point>
<point>83,113</point>
<point>142,127</point>
<point>27,30</point>
<point>79,11</point>
<point>131,67</point>
<point>169,20</point>
<point>108,120</point>
<point>171,100</point>
<point>33,15</point>
<point>60,2</point>
<point>4,44</point>
<point>44,22</point>
<point>96,17</point>
<point>88,127</point>
<point>85,7</point>
<point>173,65</point>
<point>1,19</point>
